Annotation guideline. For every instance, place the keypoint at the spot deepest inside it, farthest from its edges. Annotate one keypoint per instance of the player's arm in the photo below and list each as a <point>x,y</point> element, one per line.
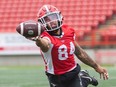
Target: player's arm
<point>43,43</point>
<point>85,58</point>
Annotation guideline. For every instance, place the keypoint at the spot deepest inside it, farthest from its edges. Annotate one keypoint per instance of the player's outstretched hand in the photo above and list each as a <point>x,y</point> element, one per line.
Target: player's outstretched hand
<point>103,72</point>
<point>33,38</point>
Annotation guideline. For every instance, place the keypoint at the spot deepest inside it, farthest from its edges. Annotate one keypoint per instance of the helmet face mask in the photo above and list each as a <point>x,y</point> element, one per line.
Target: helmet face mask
<point>51,20</point>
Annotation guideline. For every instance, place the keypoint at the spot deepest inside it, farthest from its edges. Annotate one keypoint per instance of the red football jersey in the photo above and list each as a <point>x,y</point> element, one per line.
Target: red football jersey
<point>59,58</point>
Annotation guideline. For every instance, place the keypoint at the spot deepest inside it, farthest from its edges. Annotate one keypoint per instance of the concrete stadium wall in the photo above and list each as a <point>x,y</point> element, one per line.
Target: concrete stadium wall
<point>107,56</point>
<point>21,60</point>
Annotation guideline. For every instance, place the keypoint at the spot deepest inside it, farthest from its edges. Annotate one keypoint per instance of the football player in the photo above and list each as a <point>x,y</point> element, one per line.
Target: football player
<point>58,47</point>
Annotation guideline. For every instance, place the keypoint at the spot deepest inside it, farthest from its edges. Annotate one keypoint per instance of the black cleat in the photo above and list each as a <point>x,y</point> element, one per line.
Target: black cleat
<point>85,74</point>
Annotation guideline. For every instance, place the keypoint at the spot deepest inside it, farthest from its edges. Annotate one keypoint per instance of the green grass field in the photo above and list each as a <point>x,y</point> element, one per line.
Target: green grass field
<point>34,76</point>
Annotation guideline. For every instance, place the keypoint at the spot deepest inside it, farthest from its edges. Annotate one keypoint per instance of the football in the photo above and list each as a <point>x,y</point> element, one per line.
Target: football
<point>30,29</point>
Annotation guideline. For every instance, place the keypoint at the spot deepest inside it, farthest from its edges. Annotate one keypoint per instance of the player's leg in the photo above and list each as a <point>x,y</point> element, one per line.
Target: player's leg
<point>86,79</point>
<point>54,81</point>
<point>82,80</point>
<point>73,83</point>
<point>69,79</point>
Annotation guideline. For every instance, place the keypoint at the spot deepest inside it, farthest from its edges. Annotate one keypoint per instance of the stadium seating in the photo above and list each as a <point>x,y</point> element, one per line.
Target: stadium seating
<point>109,33</point>
<point>83,15</point>
<point>83,12</point>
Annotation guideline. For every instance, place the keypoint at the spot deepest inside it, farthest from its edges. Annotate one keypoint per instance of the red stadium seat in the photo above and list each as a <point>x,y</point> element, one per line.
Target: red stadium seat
<point>87,13</point>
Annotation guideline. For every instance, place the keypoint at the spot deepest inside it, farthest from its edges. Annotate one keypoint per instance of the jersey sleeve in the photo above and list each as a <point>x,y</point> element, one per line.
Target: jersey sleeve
<point>45,35</point>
